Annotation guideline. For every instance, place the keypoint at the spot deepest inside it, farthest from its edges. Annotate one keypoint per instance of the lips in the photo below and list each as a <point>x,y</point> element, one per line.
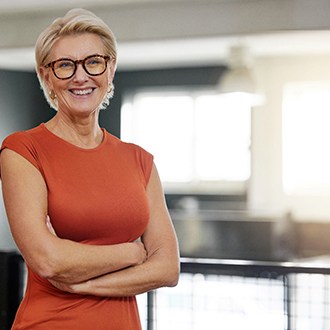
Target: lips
<point>85,91</point>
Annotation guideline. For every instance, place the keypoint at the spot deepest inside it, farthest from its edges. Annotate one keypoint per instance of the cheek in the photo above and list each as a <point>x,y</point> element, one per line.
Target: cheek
<point>55,84</point>
<point>58,88</point>
<point>105,82</point>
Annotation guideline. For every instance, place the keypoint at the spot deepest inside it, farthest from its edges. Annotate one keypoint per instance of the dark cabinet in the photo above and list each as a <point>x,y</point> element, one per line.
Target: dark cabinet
<point>11,287</point>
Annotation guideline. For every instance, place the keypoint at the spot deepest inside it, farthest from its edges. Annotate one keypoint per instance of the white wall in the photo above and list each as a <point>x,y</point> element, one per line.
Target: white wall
<point>266,191</point>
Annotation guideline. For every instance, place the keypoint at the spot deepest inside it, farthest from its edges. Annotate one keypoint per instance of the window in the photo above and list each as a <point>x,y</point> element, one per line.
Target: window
<point>200,139</point>
<point>306,138</point>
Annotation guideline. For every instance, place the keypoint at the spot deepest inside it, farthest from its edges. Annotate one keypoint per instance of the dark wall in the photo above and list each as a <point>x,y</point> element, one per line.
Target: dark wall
<point>22,104</point>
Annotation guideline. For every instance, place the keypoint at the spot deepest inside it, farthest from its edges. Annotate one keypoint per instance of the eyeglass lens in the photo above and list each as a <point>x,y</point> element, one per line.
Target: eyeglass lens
<point>66,68</point>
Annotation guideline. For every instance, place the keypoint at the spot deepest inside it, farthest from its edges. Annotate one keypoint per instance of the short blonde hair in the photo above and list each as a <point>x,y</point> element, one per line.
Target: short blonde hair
<point>75,21</point>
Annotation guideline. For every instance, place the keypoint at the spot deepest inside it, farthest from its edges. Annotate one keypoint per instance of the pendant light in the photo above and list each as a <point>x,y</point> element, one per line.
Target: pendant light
<point>239,78</point>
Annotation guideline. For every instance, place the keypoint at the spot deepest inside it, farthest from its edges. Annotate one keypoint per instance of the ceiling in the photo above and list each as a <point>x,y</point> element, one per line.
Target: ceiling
<point>183,32</point>
<point>28,5</point>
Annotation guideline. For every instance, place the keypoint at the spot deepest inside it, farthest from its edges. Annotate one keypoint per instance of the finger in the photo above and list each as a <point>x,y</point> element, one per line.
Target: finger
<point>49,225</point>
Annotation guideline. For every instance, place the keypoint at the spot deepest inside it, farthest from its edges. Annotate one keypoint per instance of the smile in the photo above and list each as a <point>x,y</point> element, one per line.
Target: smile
<point>81,91</point>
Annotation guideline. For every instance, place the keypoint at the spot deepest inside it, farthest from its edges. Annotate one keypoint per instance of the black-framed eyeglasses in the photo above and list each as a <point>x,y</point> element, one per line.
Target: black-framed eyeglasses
<point>65,68</point>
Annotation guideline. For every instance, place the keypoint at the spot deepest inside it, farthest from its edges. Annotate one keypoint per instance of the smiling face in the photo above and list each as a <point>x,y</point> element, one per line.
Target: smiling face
<point>82,94</point>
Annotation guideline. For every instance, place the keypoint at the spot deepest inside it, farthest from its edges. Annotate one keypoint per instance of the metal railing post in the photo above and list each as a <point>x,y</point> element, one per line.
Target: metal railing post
<point>151,301</point>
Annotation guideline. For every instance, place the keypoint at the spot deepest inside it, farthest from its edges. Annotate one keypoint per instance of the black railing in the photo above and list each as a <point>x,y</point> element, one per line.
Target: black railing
<point>285,295</point>
<point>320,265</point>
<point>295,294</point>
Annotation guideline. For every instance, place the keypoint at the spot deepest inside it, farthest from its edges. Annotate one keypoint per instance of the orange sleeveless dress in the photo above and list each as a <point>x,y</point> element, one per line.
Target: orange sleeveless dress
<point>95,196</point>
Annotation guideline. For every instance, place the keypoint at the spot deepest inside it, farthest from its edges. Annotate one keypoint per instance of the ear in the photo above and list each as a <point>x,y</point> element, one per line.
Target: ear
<point>112,70</point>
<point>44,74</point>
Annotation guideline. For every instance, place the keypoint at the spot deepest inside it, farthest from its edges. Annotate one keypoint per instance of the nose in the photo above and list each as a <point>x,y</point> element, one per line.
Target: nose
<point>80,74</point>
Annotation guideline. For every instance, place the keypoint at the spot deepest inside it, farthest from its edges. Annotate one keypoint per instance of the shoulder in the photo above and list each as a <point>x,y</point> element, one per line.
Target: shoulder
<point>138,150</point>
<point>140,157</point>
<point>22,139</point>
<point>128,146</point>
<point>24,143</point>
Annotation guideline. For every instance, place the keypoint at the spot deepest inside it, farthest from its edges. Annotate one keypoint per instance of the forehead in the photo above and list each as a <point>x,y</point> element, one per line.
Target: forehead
<point>77,46</point>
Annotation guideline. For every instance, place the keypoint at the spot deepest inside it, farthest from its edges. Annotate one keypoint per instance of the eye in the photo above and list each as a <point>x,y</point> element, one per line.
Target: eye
<point>64,64</point>
<point>93,61</point>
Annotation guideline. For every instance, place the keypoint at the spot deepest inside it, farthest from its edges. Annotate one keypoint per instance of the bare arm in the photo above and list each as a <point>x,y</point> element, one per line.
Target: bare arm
<point>162,265</point>
<point>25,196</point>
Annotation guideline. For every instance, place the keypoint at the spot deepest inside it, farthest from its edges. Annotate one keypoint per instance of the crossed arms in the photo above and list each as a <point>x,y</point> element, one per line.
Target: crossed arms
<point>108,270</point>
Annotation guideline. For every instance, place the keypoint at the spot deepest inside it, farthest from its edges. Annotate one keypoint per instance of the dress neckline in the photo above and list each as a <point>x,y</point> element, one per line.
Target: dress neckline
<point>103,142</point>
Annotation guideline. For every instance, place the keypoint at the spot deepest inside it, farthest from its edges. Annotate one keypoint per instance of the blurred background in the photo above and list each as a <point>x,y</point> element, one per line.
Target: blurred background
<point>232,98</point>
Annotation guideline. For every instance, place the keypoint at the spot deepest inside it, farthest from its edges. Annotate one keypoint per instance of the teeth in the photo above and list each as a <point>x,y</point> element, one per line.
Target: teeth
<point>82,91</point>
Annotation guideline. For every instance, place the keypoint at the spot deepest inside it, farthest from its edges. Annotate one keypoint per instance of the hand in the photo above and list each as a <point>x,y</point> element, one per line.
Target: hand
<point>76,288</point>
<point>71,288</point>
<point>62,286</point>
<point>141,252</point>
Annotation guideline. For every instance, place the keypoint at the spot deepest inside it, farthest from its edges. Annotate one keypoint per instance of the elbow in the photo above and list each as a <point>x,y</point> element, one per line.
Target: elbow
<point>43,267</point>
<point>174,280</point>
<point>47,265</point>
<point>46,273</point>
<point>172,275</point>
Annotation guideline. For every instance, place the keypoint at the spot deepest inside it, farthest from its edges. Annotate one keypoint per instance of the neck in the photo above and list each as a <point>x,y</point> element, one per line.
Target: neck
<point>84,133</point>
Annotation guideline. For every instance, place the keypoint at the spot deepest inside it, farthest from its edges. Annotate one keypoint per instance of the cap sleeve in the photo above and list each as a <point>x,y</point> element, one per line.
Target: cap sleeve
<point>146,160</point>
<point>21,143</point>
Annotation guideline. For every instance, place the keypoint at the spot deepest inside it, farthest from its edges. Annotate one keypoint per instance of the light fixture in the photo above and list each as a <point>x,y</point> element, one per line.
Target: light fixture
<point>239,78</point>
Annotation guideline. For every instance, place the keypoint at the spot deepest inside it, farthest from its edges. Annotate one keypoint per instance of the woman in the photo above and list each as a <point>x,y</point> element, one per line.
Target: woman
<point>108,235</point>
